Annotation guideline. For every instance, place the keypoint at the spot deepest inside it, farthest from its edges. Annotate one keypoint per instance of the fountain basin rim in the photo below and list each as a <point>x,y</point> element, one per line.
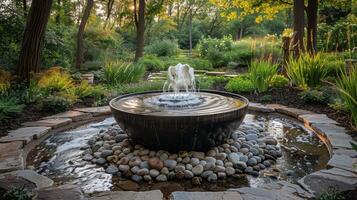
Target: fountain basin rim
<point>225,94</point>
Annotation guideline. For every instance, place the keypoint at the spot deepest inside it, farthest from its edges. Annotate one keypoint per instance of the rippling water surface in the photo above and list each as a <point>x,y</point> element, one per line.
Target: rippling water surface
<point>200,103</point>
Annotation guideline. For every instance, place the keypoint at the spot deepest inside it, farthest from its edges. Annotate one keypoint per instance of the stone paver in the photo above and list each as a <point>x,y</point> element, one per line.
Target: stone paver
<point>65,192</point>
<point>40,181</point>
<point>293,112</point>
<point>347,152</point>
<point>322,181</point>
<point>129,195</point>
<point>74,115</point>
<point>281,190</point>
<point>215,73</point>
<point>337,135</point>
<point>205,195</point>
<point>316,118</point>
<point>260,107</point>
<point>343,162</point>
<point>96,111</point>
<point>11,156</point>
<point>25,134</point>
<point>53,123</point>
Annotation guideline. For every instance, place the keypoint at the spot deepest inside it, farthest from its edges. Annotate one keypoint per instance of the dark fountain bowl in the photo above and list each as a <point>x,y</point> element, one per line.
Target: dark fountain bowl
<point>176,132</point>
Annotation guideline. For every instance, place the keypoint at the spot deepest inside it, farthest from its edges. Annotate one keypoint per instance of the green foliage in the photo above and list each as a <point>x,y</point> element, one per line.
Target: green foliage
<point>119,72</point>
<point>279,81</point>
<point>354,145</point>
<point>196,63</point>
<point>151,63</point>
<point>339,36</point>
<point>5,78</point>
<point>85,90</point>
<point>260,73</point>
<point>331,196</point>
<point>240,84</point>
<point>314,96</point>
<point>57,103</point>
<point>208,82</point>
<point>9,107</point>
<point>266,98</point>
<point>55,80</point>
<point>18,194</point>
<point>307,70</point>
<point>347,87</point>
<point>138,87</point>
<point>162,48</point>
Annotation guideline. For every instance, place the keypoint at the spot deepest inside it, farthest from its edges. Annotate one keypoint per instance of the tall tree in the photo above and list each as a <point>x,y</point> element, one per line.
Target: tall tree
<point>110,4</point>
<point>82,25</point>
<point>139,18</point>
<point>311,12</point>
<point>298,40</point>
<point>32,43</point>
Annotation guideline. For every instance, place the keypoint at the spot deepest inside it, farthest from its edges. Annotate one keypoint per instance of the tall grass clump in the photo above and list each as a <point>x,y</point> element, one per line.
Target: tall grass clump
<point>307,71</point>
<point>260,73</point>
<point>347,87</point>
<point>118,72</point>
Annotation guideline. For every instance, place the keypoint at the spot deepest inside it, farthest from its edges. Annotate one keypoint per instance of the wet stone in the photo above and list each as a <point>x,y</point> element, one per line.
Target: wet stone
<point>111,169</point>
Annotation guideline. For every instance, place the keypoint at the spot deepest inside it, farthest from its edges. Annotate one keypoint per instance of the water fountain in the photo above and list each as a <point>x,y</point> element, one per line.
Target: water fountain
<point>183,119</point>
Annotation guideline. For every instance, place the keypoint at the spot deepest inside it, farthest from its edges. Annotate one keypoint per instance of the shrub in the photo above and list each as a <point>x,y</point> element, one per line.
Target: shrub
<point>85,90</point>
<point>210,81</point>
<point>279,81</point>
<point>9,107</point>
<point>5,78</point>
<point>162,48</point>
<point>55,80</point>
<point>307,70</point>
<point>18,194</point>
<point>58,103</point>
<point>139,87</point>
<point>314,96</point>
<point>260,73</point>
<point>118,72</point>
<point>239,84</point>
<point>221,45</point>
<point>151,63</point>
<point>266,98</point>
<point>347,87</point>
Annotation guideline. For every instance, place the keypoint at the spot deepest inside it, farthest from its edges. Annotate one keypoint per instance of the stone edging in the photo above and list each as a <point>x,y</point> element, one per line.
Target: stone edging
<point>340,175</point>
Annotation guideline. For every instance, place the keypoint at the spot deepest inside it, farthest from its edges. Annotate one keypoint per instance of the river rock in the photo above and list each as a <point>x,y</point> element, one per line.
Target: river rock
<point>240,165</point>
<point>106,153</point>
<point>124,168</point>
<point>221,175</point>
<point>135,161</point>
<point>161,178</point>
<point>179,167</point>
<point>221,156</point>
<point>123,161</point>
<point>206,174</point>
<point>147,178</point>
<point>188,174</point>
<point>233,157</point>
<point>209,166</point>
<point>230,171</point>
<point>136,178</point>
<point>143,172</point>
<point>171,164</point>
<point>164,171</point>
<point>100,161</point>
<point>219,169</point>
<point>156,163</point>
<point>210,160</point>
<point>196,180</point>
<point>194,161</point>
<point>135,169</point>
<point>154,173</point>
<point>252,162</point>
<point>87,157</point>
<point>212,178</point>
<point>111,169</point>
<point>189,166</point>
<point>211,153</point>
<point>199,155</point>
<point>197,170</point>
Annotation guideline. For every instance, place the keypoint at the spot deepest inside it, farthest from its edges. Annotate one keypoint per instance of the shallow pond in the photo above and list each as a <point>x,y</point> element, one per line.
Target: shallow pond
<point>60,158</point>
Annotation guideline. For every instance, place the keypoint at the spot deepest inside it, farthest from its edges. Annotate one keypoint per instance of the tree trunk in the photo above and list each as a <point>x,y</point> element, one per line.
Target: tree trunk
<point>109,11</point>
<point>298,40</point>
<point>190,31</point>
<point>82,25</point>
<point>58,16</point>
<point>140,30</point>
<point>312,26</point>
<point>32,43</point>
<point>24,5</point>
